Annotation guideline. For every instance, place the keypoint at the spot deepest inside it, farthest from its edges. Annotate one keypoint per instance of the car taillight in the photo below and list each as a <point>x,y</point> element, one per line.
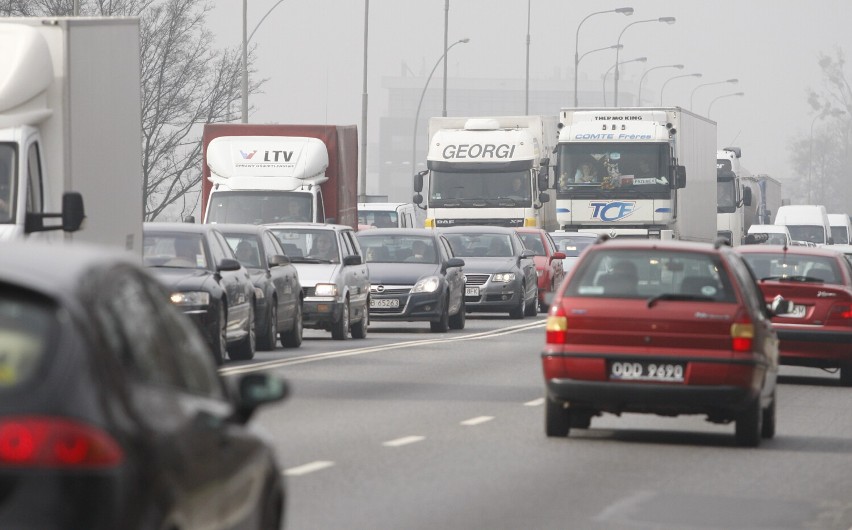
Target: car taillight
<point>557,325</point>
<point>39,441</point>
<point>840,314</point>
<point>742,335</point>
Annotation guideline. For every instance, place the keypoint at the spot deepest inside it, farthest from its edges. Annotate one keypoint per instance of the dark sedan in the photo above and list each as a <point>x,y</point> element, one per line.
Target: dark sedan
<point>500,273</point>
<point>112,412</point>
<point>414,277</point>
<point>277,291</point>
<point>206,281</point>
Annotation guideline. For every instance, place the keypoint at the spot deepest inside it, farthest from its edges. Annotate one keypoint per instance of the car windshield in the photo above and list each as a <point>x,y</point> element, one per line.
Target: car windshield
<point>653,275</point>
<point>398,248</point>
<point>481,245</point>
<point>533,242</point>
<point>184,251</point>
<point>25,330</point>
<point>572,246</point>
<point>308,245</point>
<point>786,266</point>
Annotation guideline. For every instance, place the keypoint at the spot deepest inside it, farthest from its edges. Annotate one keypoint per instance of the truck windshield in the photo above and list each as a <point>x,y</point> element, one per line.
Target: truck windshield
<point>259,207</point>
<point>7,182</point>
<point>609,170</point>
<point>726,197</point>
<point>484,189</point>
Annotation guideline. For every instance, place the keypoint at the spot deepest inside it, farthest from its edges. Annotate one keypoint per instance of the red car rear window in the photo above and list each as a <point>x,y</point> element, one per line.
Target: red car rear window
<point>25,328</point>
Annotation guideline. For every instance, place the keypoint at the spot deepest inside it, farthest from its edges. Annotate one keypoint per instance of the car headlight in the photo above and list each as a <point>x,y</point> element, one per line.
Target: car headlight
<point>503,277</point>
<point>325,289</point>
<point>258,293</point>
<point>427,285</point>
<point>190,298</point>
<point>539,272</point>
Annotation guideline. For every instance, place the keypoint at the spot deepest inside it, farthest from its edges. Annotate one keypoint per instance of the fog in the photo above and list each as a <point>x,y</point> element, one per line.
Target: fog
<point>311,53</point>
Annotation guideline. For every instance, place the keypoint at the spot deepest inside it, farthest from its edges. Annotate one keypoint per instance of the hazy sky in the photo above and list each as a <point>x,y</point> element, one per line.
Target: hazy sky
<point>312,53</point>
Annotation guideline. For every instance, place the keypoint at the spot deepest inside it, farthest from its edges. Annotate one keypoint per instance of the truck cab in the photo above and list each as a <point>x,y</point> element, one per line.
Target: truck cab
<point>734,214</point>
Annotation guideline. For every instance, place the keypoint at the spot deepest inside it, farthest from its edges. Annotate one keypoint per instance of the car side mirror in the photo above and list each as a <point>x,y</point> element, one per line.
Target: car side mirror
<point>255,390</point>
<point>527,253</point>
<point>781,306</point>
<point>352,259</point>
<point>454,262</point>
<point>558,255</point>
<point>278,259</point>
<point>228,264</point>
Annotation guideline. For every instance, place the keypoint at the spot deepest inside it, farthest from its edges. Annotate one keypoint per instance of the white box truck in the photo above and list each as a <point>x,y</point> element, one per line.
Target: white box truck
<point>637,172</point>
<point>70,130</point>
<point>488,171</point>
<point>736,190</point>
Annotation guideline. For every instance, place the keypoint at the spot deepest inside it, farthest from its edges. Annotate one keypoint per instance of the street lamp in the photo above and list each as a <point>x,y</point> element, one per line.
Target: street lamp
<point>710,106</point>
<point>833,113</point>
<point>667,20</point>
<point>672,79</point>
<point>732,81</point>
<point>636,60</point>
<point>627,11</point>
<point>246,40</point>
<point>613,47</point>
<point>417,114</point>
<point>642,79</point>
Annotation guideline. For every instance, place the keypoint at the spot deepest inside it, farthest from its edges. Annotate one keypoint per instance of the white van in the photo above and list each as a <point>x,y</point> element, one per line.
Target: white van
<point>390,215</point>
<point>768,235</point>
<point>841,228</point>
<point>806,222</point>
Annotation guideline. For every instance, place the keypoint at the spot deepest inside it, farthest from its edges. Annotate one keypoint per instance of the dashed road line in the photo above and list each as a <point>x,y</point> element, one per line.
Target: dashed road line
<point>534,403</point>
<point>477,420</point>
<point>307,468</point>
<point>405,440</point>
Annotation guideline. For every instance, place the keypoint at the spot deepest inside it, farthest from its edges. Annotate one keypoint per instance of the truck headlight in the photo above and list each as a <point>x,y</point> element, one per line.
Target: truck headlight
<point>503,277</point>
<point>325,289</point>
<point>190,298</point>
<point>427,285</point>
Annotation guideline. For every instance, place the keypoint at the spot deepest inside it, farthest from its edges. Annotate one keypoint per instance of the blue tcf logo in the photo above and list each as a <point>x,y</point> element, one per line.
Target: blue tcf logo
<point>612,211</point>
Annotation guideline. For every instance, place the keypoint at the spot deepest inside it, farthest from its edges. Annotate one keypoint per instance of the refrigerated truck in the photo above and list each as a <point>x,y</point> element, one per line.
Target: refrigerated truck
<point>637,172</point>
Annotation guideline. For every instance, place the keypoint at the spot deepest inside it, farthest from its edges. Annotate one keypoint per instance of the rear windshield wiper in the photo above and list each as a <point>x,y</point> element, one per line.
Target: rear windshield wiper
<point>803,279</point>
<point>680,297</point>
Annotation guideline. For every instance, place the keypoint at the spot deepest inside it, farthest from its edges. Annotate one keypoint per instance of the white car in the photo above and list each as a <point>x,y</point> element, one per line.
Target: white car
<point>768,235</point>
<point>572,244</point>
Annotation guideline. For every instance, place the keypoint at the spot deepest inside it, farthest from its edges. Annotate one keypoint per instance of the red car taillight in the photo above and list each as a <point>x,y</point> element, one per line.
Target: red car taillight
<point>840,314</point>
<point>557,325</point>
<point>742,334</point>
<point>56,442</point>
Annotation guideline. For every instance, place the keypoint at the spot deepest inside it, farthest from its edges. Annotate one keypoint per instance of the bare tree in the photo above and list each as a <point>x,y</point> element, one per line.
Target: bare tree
<point>185,84</point>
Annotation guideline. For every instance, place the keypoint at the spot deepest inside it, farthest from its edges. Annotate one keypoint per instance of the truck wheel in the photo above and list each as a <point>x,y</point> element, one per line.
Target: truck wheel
<point>244,350</point>
<point>519,310</point>
<point>442,325</point>
<point>749,425</point>
<point>266,341</point>
<point>293,338</point>
<point>557,419</point>
<point>359,330</point>
<point>846,373</point>
<point>457,321</point>
<point>340,329</point>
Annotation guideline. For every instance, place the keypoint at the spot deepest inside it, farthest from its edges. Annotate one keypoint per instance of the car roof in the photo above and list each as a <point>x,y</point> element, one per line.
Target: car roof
<point>477,229</point>
<point>656,244</point>
<point>398,231</point>
<point>769,229</point>
<point>561,233</point>
<point>183,228</point>
<point>530,229</point>
<point>793,249</point>
<point>309,226</point>
<point>234,228</point>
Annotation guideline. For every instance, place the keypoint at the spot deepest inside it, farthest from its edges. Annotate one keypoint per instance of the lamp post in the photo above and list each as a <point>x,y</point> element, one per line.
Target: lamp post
<point>613,47</point>
<point>667,20</point>
<point>362,181</point>
<point>527,85</point>
<point>446,28</point>
<point>710,106</point>
<point>246,40</point>
<point>642,79</point>
<point>663,88</point>
<point>636,60</point>
<point>417,114</point>
<point>833,113</point>
<point>732,81</point>
<point>627,11</point>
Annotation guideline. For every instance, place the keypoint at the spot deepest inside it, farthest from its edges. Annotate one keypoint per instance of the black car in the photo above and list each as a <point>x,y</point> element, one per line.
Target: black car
<point>414,276</point>
<point>277,291</point>
<point>499,271</point>
<point>206,281</point>
<point>112,413</point>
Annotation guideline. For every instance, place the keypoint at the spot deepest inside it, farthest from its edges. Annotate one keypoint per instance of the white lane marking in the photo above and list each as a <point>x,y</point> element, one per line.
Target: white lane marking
<point>534,403</point>
<point>477,420</point>
<point>405,440</point>
<point>308,468</point>
<point>268,365</point>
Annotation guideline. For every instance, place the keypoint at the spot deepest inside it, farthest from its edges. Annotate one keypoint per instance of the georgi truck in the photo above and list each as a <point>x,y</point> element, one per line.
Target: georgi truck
<point>736,190</point>
<point>70,130</point>
<point>637,172</point>
<point>488,171</point>
<point>259,174</point>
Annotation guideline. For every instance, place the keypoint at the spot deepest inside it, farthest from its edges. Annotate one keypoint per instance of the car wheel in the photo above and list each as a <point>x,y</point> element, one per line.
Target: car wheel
<point>846,374</point>
<point>244,350</point>
<point>219,343</point>
<point>557,419</point>
<point>293,338</point>
<point>442,325</point>
<point>359,330</point>
<point>519,310</point>
<point>457,321</point>
<point>768,429</point>
<point>748,425</point>
<point>340,329</point>
<point>531,309</point>
<point>272,509</point>
<point>269,337</point>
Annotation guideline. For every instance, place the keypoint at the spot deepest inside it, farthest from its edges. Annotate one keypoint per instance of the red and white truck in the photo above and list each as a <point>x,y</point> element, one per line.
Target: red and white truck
<point>268,173</point>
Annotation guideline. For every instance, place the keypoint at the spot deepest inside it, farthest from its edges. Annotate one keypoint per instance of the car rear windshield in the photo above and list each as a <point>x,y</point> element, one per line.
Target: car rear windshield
<point>785,266</point>
<point>572,246</point>
<point>652,273</point>
<point>26,326</point>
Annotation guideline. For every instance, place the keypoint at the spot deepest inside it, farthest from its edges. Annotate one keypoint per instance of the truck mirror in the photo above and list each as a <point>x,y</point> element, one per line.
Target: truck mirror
<point>679,177</point>
<point>73,212</point>
<point>418,181</point>
<point>417,199</point>
<point>544,162</point>
<point>543,179</point>
<point>747,196</point>
<point>189,219</point>
<point>543,197</point>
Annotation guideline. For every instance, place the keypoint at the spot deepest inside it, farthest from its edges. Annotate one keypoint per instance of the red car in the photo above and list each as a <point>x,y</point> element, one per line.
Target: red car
<point>818,331</point>
<point>661,327</point>
<point>548,262</point>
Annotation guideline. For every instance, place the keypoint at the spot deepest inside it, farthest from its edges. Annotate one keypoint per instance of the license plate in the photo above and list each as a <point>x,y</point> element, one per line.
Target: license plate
<point>471,291</point>
<point>798,312</point>
<point>646,371</point>
<point>384,303</point>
